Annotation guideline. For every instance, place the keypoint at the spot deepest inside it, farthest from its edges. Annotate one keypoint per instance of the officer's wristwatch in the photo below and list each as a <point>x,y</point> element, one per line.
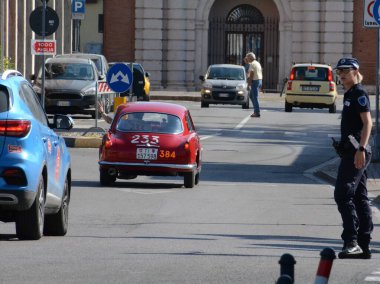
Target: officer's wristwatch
<point>361,149</point>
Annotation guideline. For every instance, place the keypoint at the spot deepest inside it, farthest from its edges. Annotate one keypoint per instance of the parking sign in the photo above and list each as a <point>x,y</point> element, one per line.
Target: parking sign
<point>78,9</point>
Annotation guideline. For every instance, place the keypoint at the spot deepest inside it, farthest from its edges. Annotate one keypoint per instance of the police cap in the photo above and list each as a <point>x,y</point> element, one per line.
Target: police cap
<point>347,63</point>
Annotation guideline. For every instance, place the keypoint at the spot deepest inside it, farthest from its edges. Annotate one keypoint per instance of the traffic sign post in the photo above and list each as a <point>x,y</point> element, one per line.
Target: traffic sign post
<point>78,9</point>
<point>77,14</point>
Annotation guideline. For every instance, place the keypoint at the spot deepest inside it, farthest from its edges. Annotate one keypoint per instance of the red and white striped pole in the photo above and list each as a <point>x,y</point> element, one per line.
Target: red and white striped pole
<point>325,264</point>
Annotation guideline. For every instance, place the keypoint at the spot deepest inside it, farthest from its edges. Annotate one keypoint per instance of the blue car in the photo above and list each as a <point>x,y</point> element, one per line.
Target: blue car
<point>35,169</point>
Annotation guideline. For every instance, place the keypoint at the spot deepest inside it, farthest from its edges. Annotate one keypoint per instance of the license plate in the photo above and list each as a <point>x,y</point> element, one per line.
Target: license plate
<point>146,153</point>
<point>310,88</point>
<point>63,103</point>
<point>223,95</point>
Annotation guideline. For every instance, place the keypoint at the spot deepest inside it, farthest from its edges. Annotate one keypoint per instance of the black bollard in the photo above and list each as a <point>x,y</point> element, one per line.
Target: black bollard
<point>287,263</point>
<point>284,279</point>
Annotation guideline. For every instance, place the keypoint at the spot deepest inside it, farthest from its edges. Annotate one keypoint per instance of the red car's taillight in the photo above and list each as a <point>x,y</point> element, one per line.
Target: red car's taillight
<point>15,128</point>
<point>107,141</point>
<point>186,146</point>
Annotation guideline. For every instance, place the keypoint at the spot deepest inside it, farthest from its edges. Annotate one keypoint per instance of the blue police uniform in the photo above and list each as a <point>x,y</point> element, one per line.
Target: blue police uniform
<point>350,192</point>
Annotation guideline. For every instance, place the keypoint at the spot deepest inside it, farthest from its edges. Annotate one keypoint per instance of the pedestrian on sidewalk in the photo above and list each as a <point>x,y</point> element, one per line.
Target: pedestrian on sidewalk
<point>255,80</point>
<point>351,185</point>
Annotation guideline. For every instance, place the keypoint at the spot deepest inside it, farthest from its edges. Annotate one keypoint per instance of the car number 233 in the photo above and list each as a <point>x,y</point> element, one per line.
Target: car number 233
<point>145,139</point>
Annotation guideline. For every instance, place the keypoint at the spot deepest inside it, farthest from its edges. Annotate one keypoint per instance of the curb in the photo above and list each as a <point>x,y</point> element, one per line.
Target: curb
<point>83,142</point>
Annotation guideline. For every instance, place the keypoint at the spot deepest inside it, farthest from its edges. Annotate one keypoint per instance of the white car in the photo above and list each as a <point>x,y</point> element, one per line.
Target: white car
<point>225,84</point>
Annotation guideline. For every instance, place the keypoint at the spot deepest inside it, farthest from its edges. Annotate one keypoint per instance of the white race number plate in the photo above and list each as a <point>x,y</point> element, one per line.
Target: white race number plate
<point>146,153</point>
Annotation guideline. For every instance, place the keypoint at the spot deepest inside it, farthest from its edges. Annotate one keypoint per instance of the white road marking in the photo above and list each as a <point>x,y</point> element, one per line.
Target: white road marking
<point>243,122</point>
<point>295,133</point>
<point>143,191</point>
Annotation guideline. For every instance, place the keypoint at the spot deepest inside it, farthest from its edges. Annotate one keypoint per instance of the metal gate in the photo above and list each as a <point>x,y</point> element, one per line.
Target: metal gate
<point>229,42</point>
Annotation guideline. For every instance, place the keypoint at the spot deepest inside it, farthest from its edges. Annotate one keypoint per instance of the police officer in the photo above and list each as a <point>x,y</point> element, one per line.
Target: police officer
<point>351,185</point>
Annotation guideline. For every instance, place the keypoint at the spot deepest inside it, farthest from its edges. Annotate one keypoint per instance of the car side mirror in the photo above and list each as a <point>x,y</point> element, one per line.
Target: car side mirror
<point>202,78</point>
<point>61,121</point>
<point>101,77</point>
<point>147,74</point>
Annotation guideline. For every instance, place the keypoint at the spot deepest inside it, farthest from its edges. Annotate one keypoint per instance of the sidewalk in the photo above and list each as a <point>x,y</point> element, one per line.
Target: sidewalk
<point>328,172</point>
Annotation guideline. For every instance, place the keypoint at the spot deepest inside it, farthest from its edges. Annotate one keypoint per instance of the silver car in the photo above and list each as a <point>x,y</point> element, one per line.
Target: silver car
<point>225,84</point>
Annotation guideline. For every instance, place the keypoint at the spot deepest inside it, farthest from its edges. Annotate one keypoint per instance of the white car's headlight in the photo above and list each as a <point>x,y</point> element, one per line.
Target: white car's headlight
<point>207,87</point>
<point>241,87</point>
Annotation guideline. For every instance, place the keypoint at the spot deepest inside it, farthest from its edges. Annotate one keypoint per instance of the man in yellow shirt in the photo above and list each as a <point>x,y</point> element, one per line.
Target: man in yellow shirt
<point>255,80</point>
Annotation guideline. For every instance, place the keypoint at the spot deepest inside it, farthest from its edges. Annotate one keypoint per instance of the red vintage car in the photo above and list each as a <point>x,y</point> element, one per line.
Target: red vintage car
<point>151,139</point>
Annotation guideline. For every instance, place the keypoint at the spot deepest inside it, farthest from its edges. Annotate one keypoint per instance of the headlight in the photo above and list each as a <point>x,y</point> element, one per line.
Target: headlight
<point>241,87</point>
<point>207,88</point>
<point>90,91</point>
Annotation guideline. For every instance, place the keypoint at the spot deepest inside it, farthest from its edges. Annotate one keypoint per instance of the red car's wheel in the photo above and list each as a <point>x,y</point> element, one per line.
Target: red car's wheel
<point>189,179</point>
<point>106,179</point>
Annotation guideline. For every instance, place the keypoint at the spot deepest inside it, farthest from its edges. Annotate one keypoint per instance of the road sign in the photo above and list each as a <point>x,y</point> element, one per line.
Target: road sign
<point>51,21</point>
<point>78,9</point>
<point>44,47</point>
<point>119,77</point>
<point>376,15</point>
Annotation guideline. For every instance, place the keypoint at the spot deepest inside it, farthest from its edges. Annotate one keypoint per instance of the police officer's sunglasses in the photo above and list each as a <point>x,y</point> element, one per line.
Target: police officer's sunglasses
<point>343,71</point>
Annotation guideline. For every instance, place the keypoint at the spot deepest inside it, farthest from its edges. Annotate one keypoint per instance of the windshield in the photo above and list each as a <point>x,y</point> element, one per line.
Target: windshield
<point>225,73</point>
<point>68,71</point>
<point>311,73</point>
<point>149,122</point>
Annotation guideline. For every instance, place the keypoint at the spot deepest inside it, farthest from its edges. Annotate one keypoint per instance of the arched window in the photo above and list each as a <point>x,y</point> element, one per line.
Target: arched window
<point>245,14</point>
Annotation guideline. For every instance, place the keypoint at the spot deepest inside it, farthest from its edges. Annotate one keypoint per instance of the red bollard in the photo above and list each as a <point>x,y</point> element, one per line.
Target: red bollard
<point>325,264</point>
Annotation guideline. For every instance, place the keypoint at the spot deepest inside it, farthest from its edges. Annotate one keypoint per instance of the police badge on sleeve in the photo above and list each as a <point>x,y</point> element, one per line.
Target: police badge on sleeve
<point>362,100</point>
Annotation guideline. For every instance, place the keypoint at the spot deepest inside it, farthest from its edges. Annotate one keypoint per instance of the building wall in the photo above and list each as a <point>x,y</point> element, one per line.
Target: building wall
<point>172,35</point>
<point>119,30</point>
<point>91,40</point>
<point>364,46</point>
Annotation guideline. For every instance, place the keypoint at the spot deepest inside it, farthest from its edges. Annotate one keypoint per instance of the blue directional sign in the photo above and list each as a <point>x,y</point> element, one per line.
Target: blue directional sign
<point>376,15</point>
<point>119,77</point>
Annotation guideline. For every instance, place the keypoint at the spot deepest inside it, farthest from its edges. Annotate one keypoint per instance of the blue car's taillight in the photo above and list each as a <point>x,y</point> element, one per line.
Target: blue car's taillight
<point>14,176</point>
<point>15,128</point>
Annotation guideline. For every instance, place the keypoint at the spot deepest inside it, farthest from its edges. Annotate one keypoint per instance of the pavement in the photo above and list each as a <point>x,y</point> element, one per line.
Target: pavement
<point>327,172</point>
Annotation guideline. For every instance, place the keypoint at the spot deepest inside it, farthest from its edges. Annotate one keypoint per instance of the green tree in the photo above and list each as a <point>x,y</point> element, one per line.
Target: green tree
<point>6,63</point>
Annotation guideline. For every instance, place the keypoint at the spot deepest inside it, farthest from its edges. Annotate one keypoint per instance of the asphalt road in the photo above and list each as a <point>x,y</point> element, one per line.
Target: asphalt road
<point>255,202</point>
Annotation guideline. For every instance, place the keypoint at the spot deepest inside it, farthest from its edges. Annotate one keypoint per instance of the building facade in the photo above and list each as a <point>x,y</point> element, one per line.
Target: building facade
<point>176,40</point>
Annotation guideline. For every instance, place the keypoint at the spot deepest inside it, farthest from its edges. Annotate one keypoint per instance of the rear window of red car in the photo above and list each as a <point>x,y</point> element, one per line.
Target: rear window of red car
<point>149,122</point>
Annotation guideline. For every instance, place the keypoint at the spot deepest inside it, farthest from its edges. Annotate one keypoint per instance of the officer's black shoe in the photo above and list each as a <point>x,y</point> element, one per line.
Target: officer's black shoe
<point>351,250</point>
<point>366,253</point>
